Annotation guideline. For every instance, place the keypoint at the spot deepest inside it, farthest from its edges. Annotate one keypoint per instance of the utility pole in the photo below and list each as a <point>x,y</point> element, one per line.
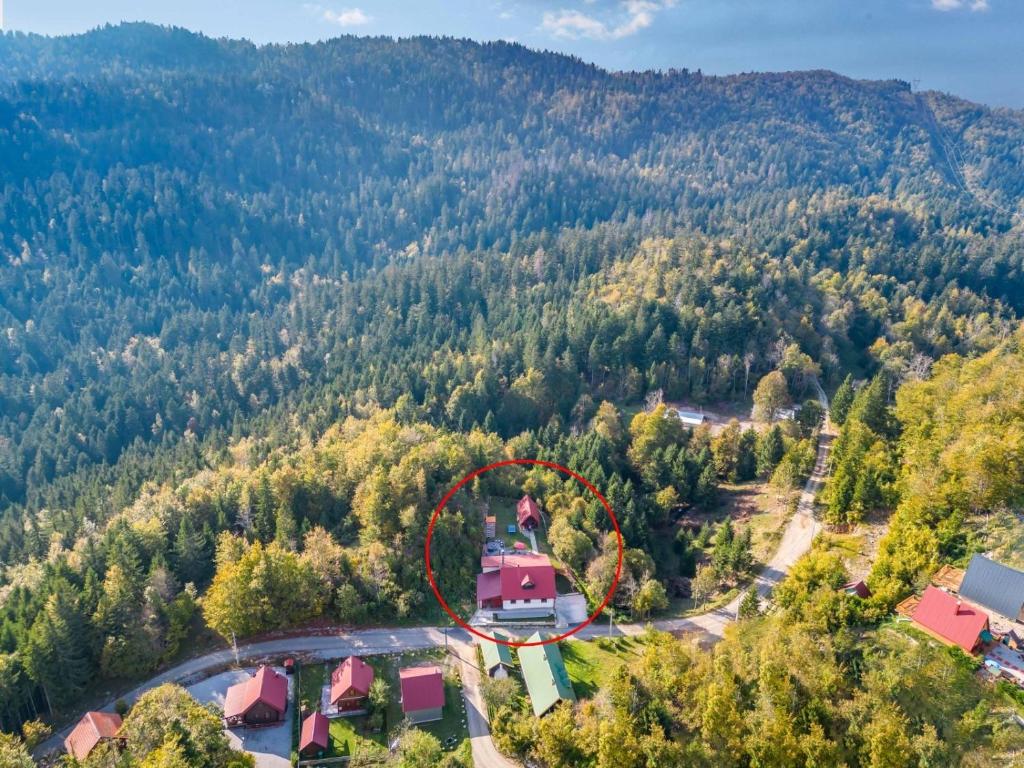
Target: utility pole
<point>234,643</point>
<point>611,612</point>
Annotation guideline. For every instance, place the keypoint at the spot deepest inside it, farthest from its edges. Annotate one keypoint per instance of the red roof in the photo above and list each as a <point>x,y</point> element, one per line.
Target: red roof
<point>527,509</point>
<point>858,588</point>
<point>266,686</point>
<point>514,558</point>
<point>950,619</point>
<point>93,728</point>
<point>422,688</point>
<point>314,732</point>
<point>533,581</point>
<point>488,586</point>
<point>352,677</point>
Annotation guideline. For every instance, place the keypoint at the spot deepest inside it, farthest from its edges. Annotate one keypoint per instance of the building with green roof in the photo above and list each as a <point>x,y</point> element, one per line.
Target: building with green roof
<point>497,656</point>
<point>547,680</point>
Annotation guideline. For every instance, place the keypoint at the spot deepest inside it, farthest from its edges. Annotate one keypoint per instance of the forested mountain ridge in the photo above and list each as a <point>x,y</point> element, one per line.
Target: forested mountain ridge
<point>166,196</point>
<point>260,305</point>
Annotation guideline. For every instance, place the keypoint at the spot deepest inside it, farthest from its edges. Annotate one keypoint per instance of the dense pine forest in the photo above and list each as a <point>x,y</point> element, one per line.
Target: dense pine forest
<point>262,304</point>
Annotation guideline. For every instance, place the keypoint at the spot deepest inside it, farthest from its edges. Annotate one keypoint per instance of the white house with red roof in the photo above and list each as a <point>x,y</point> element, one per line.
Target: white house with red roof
<point>516,585</point>
<point>260,700</point>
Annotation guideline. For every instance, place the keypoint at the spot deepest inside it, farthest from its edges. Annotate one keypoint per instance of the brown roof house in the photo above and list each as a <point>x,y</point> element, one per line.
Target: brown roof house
<point>93,728</point>
<point>350,685</point>
<point>260,700</point>
<point>422,693</point>
<point>315,738</point>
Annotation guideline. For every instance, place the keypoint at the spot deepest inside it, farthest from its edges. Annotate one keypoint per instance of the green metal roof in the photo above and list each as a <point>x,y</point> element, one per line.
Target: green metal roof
<point>496,653</point>
<point>544,672</point>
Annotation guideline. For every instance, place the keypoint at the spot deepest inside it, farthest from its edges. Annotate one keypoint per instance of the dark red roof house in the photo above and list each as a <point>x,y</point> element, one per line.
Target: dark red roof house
<point>527,513</point>
<point>516,585</point>
<point>93,728</point>
<point>858,588</point>
<point>529,582</point>
<point>488,590</point>
<point>949,620</point>
<point>315,737</point>
<point>350,684</point>
<point>422,693</point>
<point>260,700</point>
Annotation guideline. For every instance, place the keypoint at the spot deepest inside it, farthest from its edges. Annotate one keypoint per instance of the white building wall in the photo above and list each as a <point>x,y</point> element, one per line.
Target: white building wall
<point>534,604</point>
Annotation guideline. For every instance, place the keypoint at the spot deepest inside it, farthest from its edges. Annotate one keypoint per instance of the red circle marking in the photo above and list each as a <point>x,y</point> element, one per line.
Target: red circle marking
<point>549,465</point>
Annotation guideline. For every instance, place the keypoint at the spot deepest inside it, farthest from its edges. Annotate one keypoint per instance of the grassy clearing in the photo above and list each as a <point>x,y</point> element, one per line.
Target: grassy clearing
<point>451,729</point>
<point>764,509</point>
<point>1001,534</point>
<point>504,509</point>
<point>591,664</point>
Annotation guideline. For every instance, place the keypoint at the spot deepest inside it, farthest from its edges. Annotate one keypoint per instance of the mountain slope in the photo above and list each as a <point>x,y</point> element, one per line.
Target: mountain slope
<point>194,231</point>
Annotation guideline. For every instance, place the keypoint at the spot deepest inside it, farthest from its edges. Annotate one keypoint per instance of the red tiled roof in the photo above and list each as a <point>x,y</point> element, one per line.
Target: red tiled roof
<point>352,676</point>
<point>514,558</point>
<point>488,586</point>
<point>90,731</point>
<point>527,509</point>
<point>265,686</point>
<point>515,582</point>
<point>949,618</point>
<point>314,732</point>
<point>422,688</point>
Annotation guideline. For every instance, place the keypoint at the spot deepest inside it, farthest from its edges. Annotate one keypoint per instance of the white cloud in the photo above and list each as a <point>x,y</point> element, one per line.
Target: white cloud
<point>632,17</point>
<point>956,5</point>
<point>348,17</point>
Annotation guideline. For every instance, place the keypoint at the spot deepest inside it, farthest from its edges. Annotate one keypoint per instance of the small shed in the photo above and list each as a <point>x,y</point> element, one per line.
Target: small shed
<point>497,655</point>
<point>422,693</point>
<point>315,736</point>
<point>858,588</point>
<point>690,418</point>
<point>1014,640</point>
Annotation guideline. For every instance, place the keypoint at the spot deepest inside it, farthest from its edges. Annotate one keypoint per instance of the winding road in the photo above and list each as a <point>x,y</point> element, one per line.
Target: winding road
<point>796,540</point>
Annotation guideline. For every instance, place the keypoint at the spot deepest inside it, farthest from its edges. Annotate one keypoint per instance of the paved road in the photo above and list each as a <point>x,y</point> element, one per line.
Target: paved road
<point>796,540</point>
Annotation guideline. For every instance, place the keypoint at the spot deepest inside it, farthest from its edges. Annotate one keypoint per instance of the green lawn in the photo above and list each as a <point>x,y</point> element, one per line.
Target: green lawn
<point>504,509</point>
<point>453,723</point>
<point>348,734</point>
<point>591,664</point>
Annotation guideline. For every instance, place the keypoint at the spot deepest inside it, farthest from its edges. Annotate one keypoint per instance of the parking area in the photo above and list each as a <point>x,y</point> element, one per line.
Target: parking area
<point>272,745</point>
<point>570,610</point>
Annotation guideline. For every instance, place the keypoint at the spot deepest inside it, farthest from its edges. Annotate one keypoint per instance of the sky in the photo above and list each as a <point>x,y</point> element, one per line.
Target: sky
<point>972,48</point>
